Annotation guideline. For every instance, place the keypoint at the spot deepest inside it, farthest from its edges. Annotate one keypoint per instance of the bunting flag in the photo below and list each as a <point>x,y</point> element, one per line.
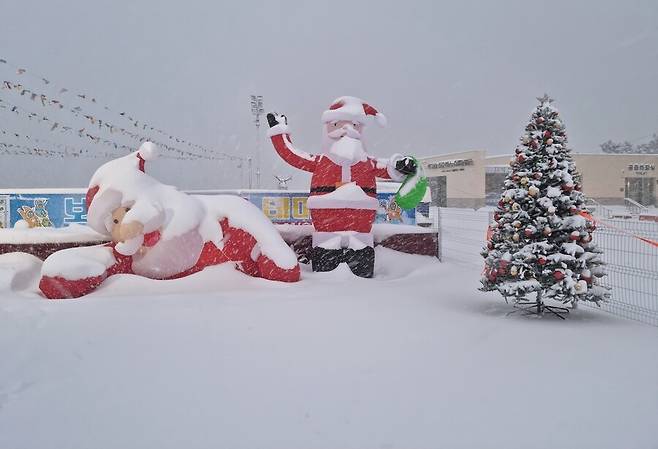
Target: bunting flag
<point>83,133</point>
<point>79,112</point>
<point>37,148</point>
<point>135,122</point>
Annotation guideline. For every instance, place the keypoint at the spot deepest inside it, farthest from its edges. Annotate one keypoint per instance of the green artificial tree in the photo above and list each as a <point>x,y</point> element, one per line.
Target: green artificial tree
<point>540,243</point>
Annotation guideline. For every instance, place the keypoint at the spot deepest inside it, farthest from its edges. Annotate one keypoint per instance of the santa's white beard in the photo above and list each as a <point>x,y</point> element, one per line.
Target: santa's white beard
<point>344,150</point>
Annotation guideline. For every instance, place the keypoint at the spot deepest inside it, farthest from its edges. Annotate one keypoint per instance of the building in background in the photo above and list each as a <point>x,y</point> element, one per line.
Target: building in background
<point>472,179</point>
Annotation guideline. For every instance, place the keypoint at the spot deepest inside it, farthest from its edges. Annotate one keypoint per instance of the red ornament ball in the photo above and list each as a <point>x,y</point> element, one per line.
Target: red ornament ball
<point>541,260</point>
<point>558,275</point>
<point>528,232</point>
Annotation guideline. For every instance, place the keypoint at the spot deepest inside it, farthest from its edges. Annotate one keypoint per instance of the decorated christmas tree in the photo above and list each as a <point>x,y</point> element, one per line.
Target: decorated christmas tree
<point>540,243</point>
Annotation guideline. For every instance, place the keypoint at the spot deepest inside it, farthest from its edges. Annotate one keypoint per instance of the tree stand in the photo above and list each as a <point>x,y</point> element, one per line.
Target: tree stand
<point>538,307</point>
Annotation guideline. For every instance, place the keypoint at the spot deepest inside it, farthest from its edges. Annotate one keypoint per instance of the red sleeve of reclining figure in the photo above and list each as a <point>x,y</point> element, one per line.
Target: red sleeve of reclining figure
<point>296,158</point>
<point>151,238</point>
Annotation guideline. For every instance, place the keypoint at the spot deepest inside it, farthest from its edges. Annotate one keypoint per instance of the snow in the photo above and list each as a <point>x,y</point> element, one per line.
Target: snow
<point>415,358</point>
<point>71,233</point>
<point>19,271</point>
<point>79,263</point>
<point>553,192</point>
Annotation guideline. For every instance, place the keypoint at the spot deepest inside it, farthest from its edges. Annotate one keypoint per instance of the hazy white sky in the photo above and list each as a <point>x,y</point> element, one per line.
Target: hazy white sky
<point>450,76</point>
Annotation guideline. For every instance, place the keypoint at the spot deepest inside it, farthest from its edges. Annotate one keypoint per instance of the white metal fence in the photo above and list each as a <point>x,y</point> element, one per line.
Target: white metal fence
<point>631,257</point>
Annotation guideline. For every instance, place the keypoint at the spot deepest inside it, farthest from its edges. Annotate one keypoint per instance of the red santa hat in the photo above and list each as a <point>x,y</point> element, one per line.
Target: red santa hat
<point>99,206</point>
<point>352,108</point>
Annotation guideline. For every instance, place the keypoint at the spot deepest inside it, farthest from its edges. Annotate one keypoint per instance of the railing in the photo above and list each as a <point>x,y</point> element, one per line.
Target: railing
<point>634,207</point>
<point>597,208</point>
<point>630,250</point>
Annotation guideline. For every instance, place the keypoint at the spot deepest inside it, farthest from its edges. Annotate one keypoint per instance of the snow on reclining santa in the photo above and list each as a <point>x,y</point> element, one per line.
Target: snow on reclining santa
<point>161,233</point>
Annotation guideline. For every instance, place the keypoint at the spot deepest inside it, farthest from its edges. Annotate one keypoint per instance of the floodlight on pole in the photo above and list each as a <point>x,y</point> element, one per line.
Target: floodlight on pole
<point>256,110</point>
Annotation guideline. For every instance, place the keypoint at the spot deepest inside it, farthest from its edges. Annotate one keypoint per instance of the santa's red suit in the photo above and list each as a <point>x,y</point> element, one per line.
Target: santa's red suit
<point>182,234</point>
<point>343,195</point>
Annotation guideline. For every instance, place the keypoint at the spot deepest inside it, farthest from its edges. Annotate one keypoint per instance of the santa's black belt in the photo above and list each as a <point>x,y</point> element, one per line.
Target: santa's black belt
<point>327,189</point>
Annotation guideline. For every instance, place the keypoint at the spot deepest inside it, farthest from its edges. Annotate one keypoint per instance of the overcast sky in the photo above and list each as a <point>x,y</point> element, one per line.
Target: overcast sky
<point>450,76</point>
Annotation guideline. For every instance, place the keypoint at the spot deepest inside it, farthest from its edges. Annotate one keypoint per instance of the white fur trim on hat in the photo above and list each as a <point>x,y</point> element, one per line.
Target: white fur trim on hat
<point>352,108</point>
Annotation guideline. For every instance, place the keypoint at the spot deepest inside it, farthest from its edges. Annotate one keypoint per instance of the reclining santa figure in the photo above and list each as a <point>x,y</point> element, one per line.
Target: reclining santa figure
<point>159,232</point>
<point>343,196</point>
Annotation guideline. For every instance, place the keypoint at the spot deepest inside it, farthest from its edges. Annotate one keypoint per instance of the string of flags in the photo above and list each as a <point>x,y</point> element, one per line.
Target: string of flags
<point>54,125</point>
<point>45,100</point>
<point>36,148</point>
<point>57,126</point>
<point>93,121</point>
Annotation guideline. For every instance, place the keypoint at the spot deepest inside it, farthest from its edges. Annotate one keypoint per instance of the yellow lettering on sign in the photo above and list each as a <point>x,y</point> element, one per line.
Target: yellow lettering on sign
<point>276,207</point>
<point>299,209</point>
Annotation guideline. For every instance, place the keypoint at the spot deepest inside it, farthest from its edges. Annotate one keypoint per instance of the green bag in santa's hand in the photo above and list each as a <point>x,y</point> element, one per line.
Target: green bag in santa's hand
<point>413,189</point>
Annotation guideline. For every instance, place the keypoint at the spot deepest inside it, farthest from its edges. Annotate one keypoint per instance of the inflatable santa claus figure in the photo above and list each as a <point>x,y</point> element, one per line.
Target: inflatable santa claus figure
<point>343,197</point>
<point>161,233</point>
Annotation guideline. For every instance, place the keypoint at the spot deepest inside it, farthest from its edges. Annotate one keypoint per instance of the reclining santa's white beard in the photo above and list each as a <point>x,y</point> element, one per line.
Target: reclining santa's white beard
<point>344,145</point>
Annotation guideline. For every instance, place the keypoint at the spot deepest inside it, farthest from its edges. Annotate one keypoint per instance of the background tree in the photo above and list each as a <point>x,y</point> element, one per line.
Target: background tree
<point>541,241</point>
<point>650,147</point>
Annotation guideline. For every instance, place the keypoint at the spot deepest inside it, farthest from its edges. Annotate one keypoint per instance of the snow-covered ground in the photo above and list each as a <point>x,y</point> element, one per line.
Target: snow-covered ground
<point>416,358</point>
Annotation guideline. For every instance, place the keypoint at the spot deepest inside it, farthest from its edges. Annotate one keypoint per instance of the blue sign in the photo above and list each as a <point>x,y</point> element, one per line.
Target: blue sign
<point>60,209</point>
<point>290,207</point>
<point>37,210</point>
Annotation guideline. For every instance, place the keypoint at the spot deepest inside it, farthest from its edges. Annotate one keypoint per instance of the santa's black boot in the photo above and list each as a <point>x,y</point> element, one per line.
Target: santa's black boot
<point>361,261</point>
<point>323,259</point>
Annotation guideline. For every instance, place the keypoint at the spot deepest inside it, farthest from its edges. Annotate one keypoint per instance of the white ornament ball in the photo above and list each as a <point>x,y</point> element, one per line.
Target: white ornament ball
<point>516,237</point>
<point>533,191</point>
<point>524,180</point>
<point>514,270</point>
<point>581,287</point>
<point>549,142</point>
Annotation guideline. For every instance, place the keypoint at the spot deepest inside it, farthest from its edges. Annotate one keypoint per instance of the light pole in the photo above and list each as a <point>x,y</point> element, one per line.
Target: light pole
<point>256,110</point>
<point>249,165</point>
